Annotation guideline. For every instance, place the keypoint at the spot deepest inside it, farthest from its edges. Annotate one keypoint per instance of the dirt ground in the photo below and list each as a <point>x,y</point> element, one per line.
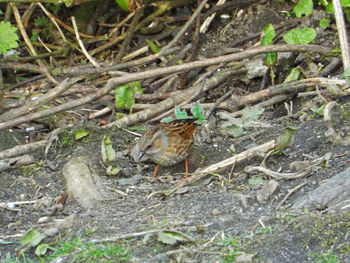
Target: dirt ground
<point>219,207</point>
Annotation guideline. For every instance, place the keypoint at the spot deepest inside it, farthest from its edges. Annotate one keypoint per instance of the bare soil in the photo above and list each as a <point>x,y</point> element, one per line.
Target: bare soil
<point>219,207</point>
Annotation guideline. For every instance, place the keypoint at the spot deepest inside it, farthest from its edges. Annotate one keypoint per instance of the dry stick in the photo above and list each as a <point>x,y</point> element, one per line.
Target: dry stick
<point>188,95</point>
<point>81,44</point>
<point>29,44</point>
<point>343,36</point>
<point>83,70</point>
<point>24,33</point>
<point>22,149</point>
<point>129,34</point>
<point>162,8</point>
<point>290,192</point>
<point>34,104</point>
<point>52,18</point>
<point>139,234</point>
<point>216,104</point>
<point>143,115</point>
<point>246,155</point>
<point>185,27</point>
<point>276,175</point>
<point>263,104</point>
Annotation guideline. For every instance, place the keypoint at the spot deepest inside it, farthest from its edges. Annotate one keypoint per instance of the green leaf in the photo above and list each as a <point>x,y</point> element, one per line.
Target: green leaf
<point>41,249</point>
<point>167,119</point>
<point>301,36</point>
<point>256,180</point>
<point>111,170</point>
<point>8,37</point>
<point>270,58</point>
<point>155,49</point>
<point>318,111</point>
<point>329,8</point>
<point>345,3</point>
<point>232,126</point>
<point>32,238</point>
<point>251,114</point>
<point>120,96</point>
<point>80,134</point>
<point>293,75</point>
<point>171,238</point>
<point>305,7</point>
<point>197,112</point>
<point>34,37</point>
<point>347,75</point>
<point>124,4</point>
<point>107,151</point>
<point>324,23</point>
<point>41,21</point>
<point>268,35</point>
<point>124,94</point>
<point>180,115</point>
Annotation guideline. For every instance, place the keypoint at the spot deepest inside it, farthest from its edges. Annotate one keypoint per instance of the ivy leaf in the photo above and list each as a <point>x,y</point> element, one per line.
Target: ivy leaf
<point>301,36</point>
<point>305,7</point>
<point>8,37</point>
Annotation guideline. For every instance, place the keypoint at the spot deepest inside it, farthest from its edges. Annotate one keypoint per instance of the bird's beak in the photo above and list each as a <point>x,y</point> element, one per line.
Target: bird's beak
<point>140,155</point>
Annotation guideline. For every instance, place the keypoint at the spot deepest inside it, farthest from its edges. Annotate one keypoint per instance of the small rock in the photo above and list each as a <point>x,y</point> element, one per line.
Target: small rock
<point>130,181</point>
<point>182,190</point>
<point>43,219</point>
<point>300,165</point>
<point>215,212</point>
<point>244,200</point>
<point>244,258</point>
<point>51,232</point>
<point>264,193</point>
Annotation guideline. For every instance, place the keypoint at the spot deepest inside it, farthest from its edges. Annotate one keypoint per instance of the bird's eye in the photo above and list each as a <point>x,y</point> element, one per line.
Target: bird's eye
<point>149,146</point>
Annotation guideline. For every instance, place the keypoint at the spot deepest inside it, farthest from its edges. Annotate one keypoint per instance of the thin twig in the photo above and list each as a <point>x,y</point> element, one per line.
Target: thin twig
<point>81,44</point>
<point>290,192</point>
<point>185,27</point>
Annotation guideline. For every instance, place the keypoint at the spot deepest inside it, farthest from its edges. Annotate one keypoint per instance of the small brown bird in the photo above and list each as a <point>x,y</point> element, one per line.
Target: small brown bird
<point>168,143</point>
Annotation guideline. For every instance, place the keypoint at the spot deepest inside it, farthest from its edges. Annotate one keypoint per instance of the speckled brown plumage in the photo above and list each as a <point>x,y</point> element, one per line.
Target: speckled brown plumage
<point>168,143</point>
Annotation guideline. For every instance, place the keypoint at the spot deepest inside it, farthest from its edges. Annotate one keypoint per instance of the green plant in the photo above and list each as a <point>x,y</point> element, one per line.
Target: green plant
<point>236,127</point>
<point>196,110</point>
<point>125,95</point>
<point>108,156</point>
<point>8,37</point>
<point>84,252</point>
<point>325,258</point>
<point>42,27</point>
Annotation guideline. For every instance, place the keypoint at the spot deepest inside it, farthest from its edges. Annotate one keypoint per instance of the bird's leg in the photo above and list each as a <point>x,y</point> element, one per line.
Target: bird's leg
<point>155,174</point>
<point>186,169</point>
